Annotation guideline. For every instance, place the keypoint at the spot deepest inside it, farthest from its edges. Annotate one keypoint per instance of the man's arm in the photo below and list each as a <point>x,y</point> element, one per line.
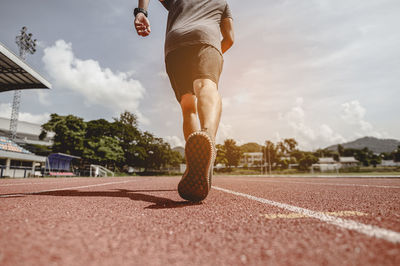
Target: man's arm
<point>142,24</point>
<point>227,34</point>
<point>165,3</point>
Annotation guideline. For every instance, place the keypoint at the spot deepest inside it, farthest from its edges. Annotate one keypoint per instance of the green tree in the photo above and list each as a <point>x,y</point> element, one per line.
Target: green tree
<point>38,149</point>
<point>396,154</point>
<point>281,151</point>
<point>290,144</point>
<point>99,128</point>
<point>363,155</point>
<point>158,153</point>
<point>281,148</point>
<point>101,145</point>
<point>340,150</point>
<point>321,153</point>
<point>69,133</point>
<point>103,150</point>
<point>297,155</point>
<point>221,155</point>
<point>175,158</point>
<point>306,161</point>
<point>375,160</point>
<point>336,157</point>
<point>387,155</point>
<point>271,153</point>
<point>125,129</point>
<point>233,153</point>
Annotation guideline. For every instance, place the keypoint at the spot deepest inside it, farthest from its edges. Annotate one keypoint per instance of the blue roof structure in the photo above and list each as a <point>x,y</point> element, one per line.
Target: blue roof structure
<point>59,162</point>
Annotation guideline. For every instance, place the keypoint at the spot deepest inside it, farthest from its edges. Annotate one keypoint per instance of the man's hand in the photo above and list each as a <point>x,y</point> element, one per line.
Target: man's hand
<point>142,25</point>
<point>227,34</point>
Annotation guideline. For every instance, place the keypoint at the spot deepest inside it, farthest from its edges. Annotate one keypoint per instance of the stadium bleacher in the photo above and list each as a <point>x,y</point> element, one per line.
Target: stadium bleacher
<point>8,145</point>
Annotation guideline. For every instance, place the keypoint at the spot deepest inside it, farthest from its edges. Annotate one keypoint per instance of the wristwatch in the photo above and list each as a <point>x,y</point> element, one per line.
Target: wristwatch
<point>140,10</point>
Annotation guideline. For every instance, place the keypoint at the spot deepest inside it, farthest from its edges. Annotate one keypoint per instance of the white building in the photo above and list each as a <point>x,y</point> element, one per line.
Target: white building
<point>251,159</point>
<point>15,74</point>
<point>325,164</point>
<point>15,161</point>
<point>348,162</point>
<point>27,133</point>
<point>390,163</point>
<point>329,164</point>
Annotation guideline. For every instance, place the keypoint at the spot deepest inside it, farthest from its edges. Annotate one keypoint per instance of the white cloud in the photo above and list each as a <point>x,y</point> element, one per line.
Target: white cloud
<point>328,135</point>
<point>296,120</point>
<point>43,97</point>
<point>174,141</point>
<point>224,132</point>
<point>37,119</point>
<point>99,86</point>
<point>5,111</point>
<point>305,134</point>
<point>324,51</point>
<point>353,113</point>
<point>163,75</point>
<point>311,135</point>
<point>226,102</point>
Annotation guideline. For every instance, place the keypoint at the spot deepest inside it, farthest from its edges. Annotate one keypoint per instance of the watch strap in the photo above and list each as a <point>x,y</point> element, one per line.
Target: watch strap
<point>140,10</point>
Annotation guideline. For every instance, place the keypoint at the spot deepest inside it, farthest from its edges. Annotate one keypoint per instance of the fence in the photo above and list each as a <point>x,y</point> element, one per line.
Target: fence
<point>15,171</point>
<point>98,170</point>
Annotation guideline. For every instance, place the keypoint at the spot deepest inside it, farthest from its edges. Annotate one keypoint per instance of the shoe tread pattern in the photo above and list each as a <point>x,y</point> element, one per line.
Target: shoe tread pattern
<point>195,183</point>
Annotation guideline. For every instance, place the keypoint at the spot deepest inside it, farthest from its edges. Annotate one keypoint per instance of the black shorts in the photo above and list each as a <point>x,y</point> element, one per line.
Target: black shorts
<point>186,64</point>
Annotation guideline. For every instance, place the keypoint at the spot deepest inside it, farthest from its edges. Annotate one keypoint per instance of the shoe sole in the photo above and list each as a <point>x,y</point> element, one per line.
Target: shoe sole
<point>195,183</point>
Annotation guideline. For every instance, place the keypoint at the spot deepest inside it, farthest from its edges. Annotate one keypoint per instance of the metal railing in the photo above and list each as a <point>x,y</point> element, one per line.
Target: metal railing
<point>15,171</point>
<point>98,170</point>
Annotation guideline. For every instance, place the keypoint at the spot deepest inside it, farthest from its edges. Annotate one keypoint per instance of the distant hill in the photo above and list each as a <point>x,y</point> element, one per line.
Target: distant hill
<point>374,144</point>
<point>251,147</point>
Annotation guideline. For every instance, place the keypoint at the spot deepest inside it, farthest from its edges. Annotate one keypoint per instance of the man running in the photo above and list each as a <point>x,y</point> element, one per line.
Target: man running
<point>193,59</point>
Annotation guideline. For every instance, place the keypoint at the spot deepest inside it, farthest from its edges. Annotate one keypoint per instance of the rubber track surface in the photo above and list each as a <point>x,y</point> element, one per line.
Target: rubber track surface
<point>143,221</point>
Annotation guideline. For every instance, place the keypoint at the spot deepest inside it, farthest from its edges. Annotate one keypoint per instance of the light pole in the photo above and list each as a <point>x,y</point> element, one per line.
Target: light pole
<point>26,45</point>
<point>262,159</point>
<point>269,162</point>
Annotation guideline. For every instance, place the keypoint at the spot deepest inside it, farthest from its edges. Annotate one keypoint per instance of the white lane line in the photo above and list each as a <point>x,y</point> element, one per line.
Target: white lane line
<point>60,189</point>
<point>322,183</point>
<point>369,230</point>
<point>295,215</point>
<point>38,183</point>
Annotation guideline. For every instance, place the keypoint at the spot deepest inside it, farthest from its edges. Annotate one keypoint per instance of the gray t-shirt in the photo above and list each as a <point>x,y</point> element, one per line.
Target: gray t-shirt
<point>193,22</point>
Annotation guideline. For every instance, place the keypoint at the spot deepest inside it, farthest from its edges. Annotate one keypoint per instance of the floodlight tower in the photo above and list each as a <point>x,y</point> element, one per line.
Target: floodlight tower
<point>26,45</point>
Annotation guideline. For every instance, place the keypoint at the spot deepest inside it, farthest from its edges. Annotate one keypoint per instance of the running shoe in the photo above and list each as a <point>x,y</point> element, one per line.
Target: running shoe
<point>196,181</point>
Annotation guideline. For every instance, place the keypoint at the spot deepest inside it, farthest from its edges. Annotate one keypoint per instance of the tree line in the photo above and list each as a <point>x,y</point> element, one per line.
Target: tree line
<point>279,155</point>
<point>275,155</point>
<point>117,145</point>
<point>121,144</point>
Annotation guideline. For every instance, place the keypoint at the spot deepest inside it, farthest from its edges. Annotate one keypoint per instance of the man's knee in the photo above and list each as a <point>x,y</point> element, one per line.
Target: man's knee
<point>188,104</point>
<point>204,86</point>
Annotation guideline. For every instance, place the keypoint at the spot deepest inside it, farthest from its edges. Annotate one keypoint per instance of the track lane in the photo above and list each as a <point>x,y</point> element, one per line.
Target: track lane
<point>34,185</point>
<point>372,231</point>
<point>147,223</point>
<point>381,204</point>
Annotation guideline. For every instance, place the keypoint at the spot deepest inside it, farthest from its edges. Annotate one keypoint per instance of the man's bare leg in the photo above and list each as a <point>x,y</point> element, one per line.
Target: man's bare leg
<point>209,105</point>
<point>196,181</point>
<point>189,113</point>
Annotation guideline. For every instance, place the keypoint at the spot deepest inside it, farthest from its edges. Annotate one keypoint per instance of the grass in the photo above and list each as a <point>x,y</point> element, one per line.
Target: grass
<point>364,171</point>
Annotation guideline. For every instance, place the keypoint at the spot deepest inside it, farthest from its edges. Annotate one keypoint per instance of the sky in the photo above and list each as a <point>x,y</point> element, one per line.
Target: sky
<point>320,71</point>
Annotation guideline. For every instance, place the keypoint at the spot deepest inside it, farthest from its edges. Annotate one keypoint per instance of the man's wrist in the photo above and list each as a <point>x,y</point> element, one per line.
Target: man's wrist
<point>140,10</point>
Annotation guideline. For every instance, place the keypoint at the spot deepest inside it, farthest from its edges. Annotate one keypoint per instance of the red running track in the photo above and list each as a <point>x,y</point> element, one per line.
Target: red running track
<point>243,221</point>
